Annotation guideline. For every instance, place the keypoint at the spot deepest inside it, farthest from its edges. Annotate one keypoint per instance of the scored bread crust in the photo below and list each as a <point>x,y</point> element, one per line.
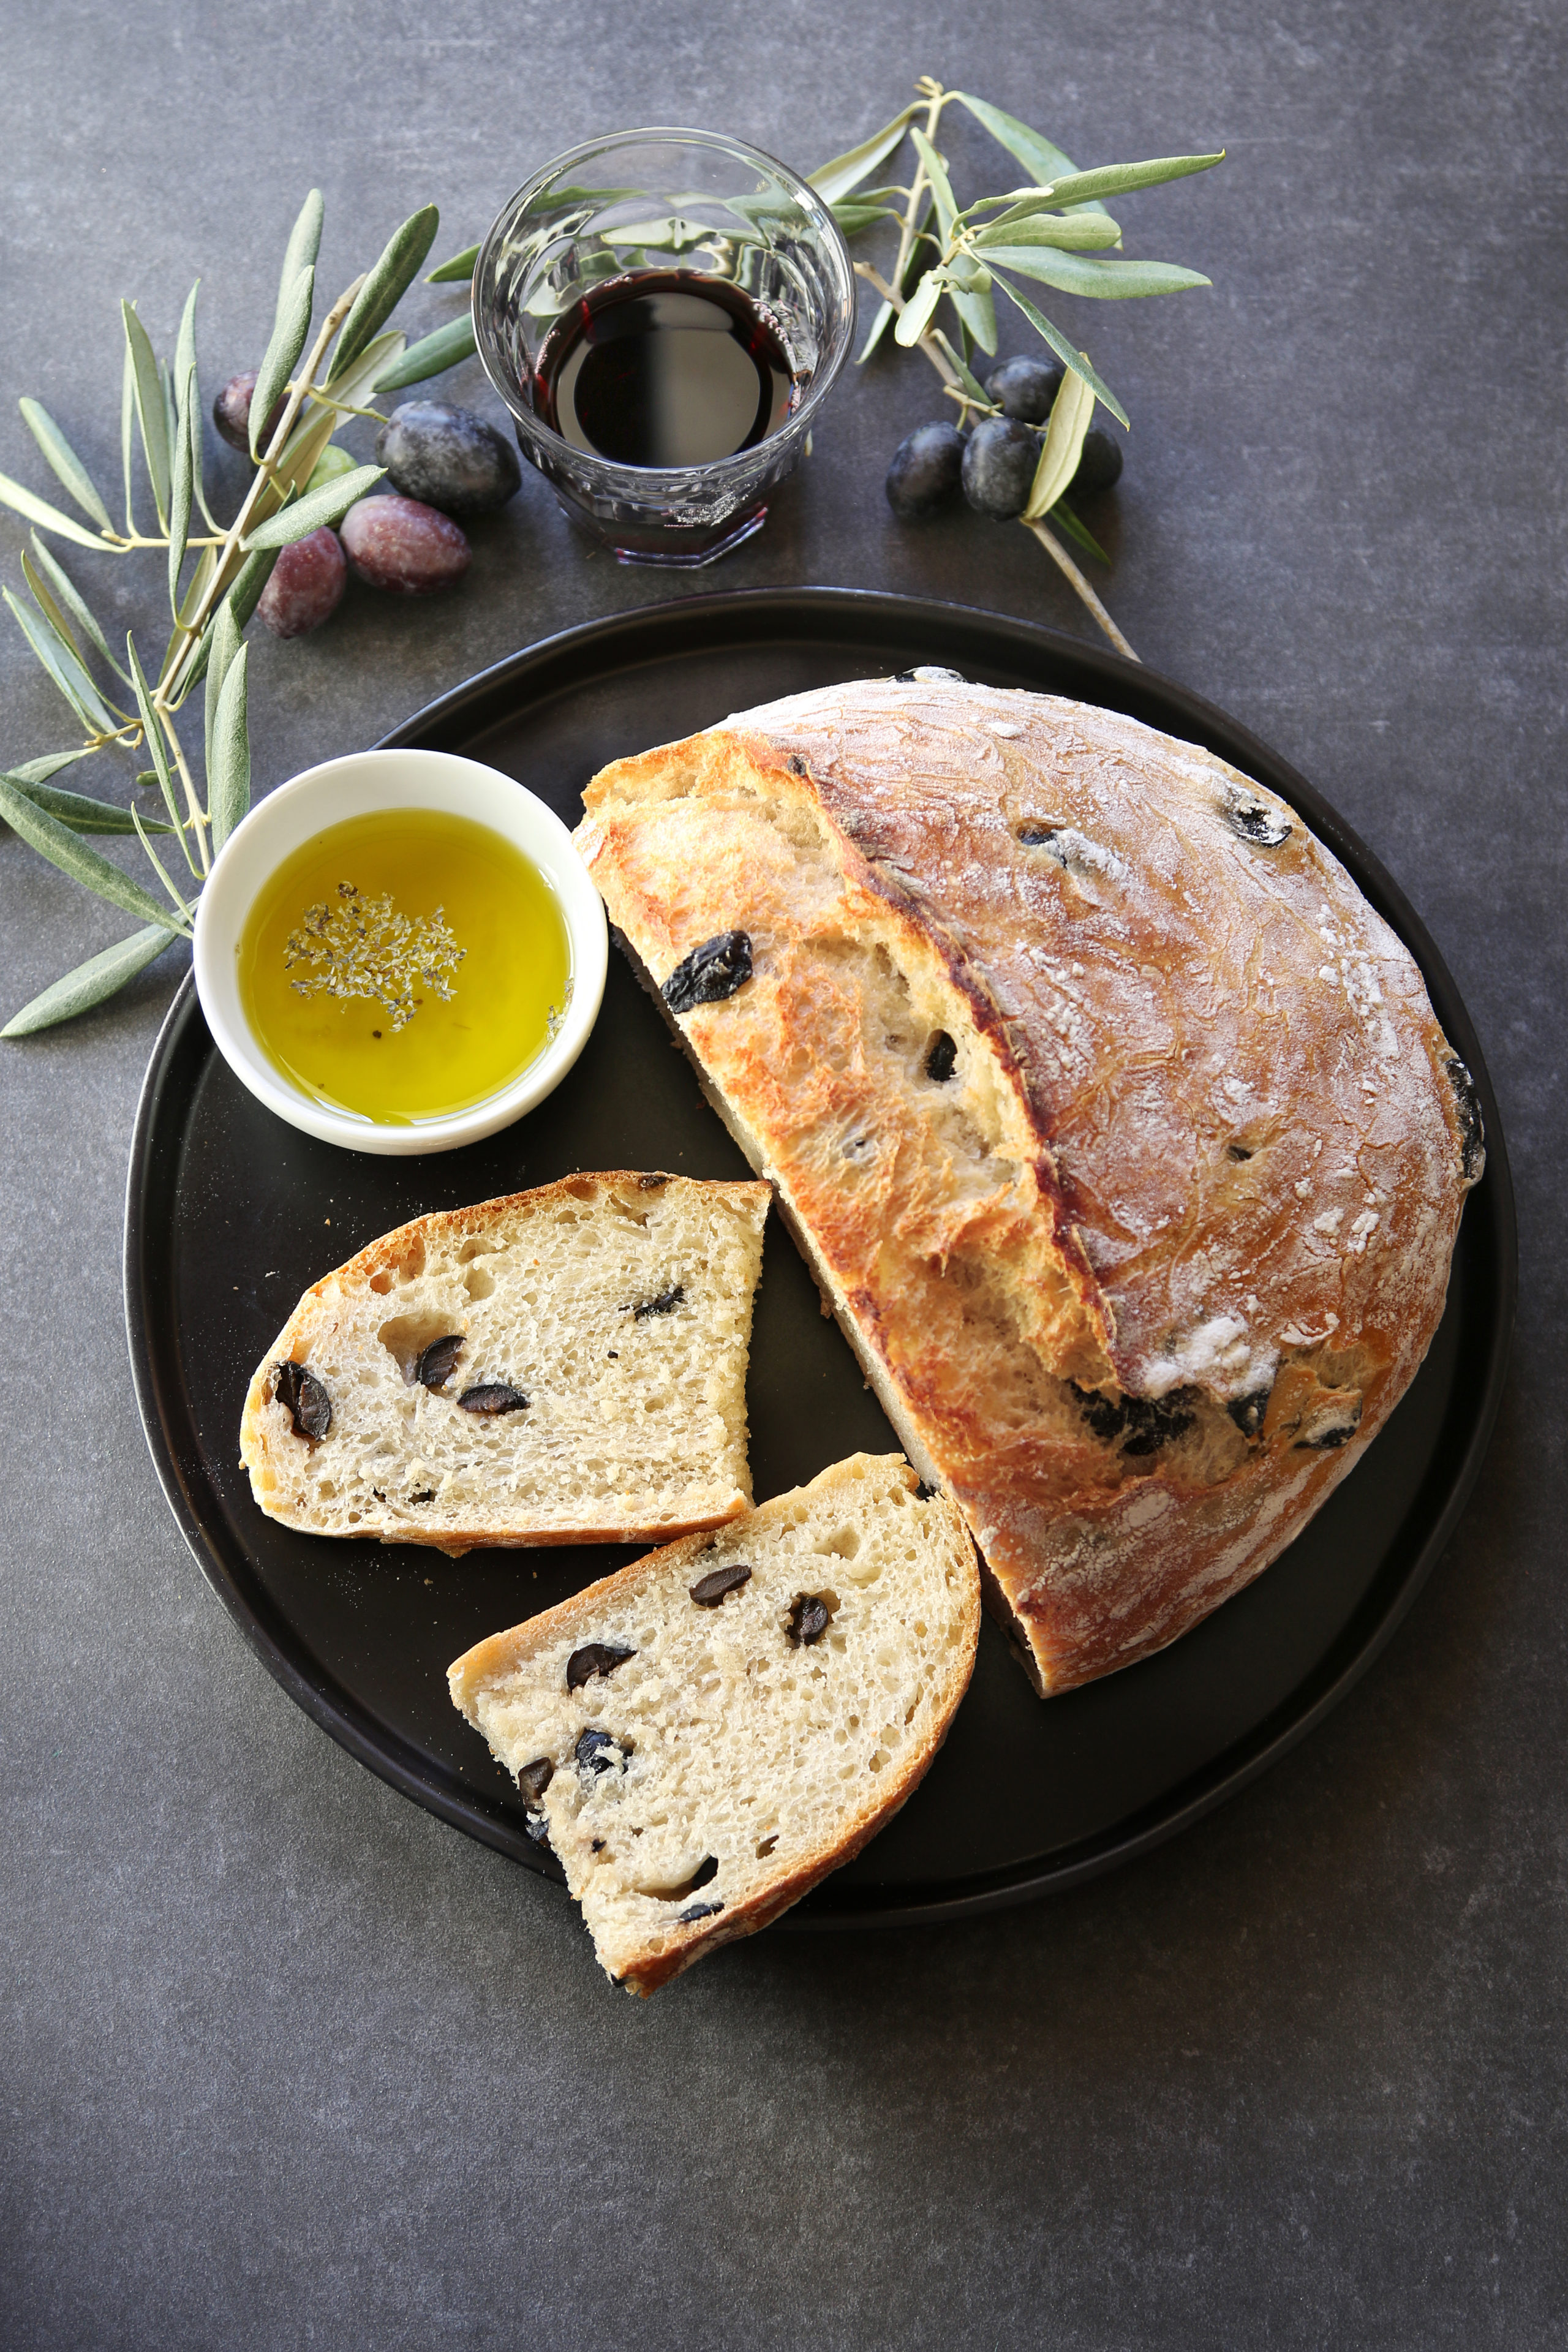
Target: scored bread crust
<point>1142,1279</point>
<point>361,1328</point>
<point>512,1688</point>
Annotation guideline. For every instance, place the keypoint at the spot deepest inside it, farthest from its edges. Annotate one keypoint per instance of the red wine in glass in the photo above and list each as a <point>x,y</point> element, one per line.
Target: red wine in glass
<point>664,367</point>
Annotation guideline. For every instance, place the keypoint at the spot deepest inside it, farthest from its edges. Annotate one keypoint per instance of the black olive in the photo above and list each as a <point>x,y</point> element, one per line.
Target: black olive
<point>438,1361</point>
<point>710,973</point>
<point>306,1399</point>
<point>941,1058</point>
<point>922,1492</point>
<point>1238,1151</point>
<point>535,1778</point>
<point>1099,464</point>
<point>1472,1132</point>
<point>594,1658</point>
<point>1035,836</point>
<point>697,1911</point>
<point>1336,1425</point>
<point>665,1303</point>
<point>536,1827</point>
<point>1247,1411</point>
<point>424,1495</point>
<point>999,468</point>
<point>1138,1425</point>
<point>796,765</point>
<point>600,1751</point>
<point>808,1619</point>
<point>491,1397</point>
<point>651,1183</point>
<point>925,469</point>
<point>1025,388</point>
<point>1254,819</point>
<point>709,1591</point>
<point>447,456</point>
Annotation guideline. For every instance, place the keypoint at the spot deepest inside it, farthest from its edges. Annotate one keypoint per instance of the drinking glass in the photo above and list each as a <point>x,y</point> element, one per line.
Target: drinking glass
<point>664,201</point>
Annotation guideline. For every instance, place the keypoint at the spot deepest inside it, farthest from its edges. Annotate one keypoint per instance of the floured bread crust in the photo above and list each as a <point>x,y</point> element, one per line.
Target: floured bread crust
<point>1117,1126</point>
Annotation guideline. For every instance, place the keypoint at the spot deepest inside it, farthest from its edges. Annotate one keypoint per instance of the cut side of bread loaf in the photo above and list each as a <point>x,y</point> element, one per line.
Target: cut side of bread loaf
<point>566,1365</point>
<point>706,1735</point>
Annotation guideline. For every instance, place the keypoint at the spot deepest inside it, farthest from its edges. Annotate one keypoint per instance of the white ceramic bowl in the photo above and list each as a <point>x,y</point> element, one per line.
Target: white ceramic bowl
<point>361,785</point>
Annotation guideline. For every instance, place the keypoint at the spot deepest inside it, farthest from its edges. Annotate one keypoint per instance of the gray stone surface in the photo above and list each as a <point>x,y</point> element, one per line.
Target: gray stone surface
<point>286,2062</point>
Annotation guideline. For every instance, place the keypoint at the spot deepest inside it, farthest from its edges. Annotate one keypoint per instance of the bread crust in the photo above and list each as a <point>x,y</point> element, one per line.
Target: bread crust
<point>267,1437</point>
<point>1142,1279</point>
<point>491,1661</point>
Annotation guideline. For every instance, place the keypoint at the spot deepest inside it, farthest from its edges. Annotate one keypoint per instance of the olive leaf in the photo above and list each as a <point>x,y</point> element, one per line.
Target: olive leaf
<point>65,666</point>
<point>1026,225</point>
<point>74,603</point>
<point>456,272</point>
<point>835,179</point>
<point>304,245</point>
<point>976,306</point>
<point>38,771</point>
<point>941,187</point>
<point>228,767</point>
<point>77,809</point>
<point>157,752</point>
<point>63,461</point>
<point>39,511</point>
<point>127,434</point>
<point>1117,179</point>
<point>282,353</point>
<point>39,590</point>
<point>151,414</point>
<point>223,645</point>
<point>1063,519</point>
<point>1071,412</point>
<point>1036,155</point>
<point>385,286</point>
<point>61,847</point>
<point>444,348</point>
<point>158,867</point>
<point>911,271</point>
<point>246,594</point>
<point>329,504</point>
<point>185,342</point>
<point>100,977</point>
<point>853,217</point>
<point>1102,281</point>
<point>1064,351</point>
<point>180,487</point>
<point>916,313</point>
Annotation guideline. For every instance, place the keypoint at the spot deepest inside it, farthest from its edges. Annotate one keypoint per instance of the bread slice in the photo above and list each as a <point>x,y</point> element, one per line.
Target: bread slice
<point>563,1366</point>
<point>706,1735</point>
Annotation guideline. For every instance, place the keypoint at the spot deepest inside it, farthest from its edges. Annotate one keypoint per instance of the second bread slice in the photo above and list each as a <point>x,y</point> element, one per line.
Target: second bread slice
<point>562,1366</point>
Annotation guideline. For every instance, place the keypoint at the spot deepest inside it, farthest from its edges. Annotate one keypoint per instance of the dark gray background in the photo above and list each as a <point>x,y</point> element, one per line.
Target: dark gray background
<point>285,2061</point>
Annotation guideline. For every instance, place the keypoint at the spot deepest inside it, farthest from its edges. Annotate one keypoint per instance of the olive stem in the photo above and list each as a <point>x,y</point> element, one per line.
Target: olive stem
<point>198,814</point>
<point>1053,546</point>
<point>168,690</point>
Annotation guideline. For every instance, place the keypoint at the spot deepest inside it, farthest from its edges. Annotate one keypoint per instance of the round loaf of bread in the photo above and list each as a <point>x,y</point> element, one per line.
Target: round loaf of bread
<point>1117,1126</point>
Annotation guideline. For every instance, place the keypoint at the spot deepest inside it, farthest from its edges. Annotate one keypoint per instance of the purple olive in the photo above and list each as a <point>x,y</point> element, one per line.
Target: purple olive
<point>449,455</point>
<point>231,412</point>
<point>307,586</point>
<point>401,544</point>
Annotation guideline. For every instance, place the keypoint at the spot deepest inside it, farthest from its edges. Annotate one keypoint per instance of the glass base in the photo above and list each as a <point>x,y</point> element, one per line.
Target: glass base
<point>673,548</point>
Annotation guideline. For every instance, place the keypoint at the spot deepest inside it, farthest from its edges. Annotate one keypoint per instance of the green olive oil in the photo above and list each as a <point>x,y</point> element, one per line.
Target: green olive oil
<point>404,966</point>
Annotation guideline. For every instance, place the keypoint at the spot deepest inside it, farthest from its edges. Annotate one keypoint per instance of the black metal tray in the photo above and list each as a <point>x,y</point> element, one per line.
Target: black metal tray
<point>230,1215</point>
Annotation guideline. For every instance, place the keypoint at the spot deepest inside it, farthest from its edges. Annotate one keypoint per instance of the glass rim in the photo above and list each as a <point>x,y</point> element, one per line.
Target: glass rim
<point>817,211</point>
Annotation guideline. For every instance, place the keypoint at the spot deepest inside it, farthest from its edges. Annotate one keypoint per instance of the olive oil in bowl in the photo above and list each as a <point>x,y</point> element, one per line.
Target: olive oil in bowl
<point>404,966</point>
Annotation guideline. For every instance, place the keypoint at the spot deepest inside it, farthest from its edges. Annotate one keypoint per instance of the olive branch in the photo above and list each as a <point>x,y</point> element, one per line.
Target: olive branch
<point>303,480</point>
<point>1056,229</point>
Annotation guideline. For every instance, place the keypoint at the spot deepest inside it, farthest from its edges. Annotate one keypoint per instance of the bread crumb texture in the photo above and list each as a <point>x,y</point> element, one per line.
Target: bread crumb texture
<point>702,1747</point>
<point>598,1329</point>
<point>1116,1124</point>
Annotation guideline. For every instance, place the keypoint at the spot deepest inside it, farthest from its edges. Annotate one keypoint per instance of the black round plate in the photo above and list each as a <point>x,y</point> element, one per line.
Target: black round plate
<point>230,1215</point>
